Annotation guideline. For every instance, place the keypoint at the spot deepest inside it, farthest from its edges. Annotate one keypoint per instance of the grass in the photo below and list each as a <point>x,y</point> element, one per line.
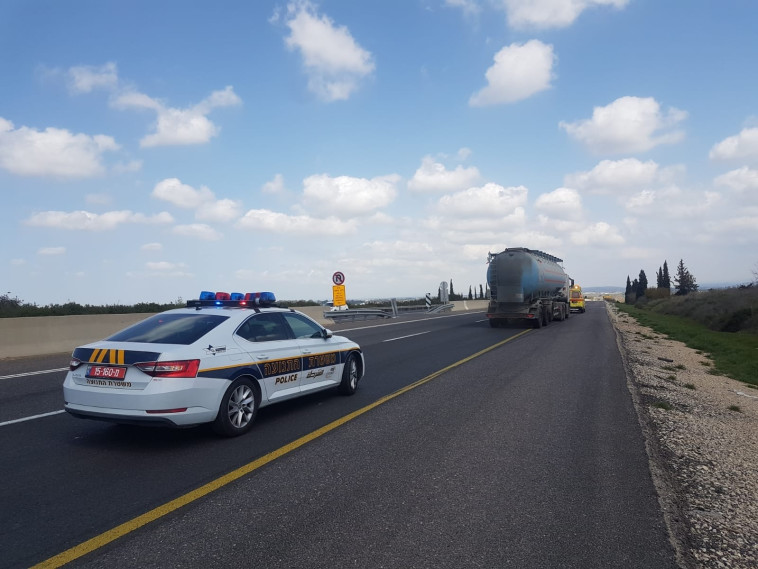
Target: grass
<point>662,405</point>
<point>733,354</point>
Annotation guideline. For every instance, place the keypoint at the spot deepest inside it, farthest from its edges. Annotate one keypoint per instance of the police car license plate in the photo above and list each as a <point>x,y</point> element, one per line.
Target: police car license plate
<point>106,372</point>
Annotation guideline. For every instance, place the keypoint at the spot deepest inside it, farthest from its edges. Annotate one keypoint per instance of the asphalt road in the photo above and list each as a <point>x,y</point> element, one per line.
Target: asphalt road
<point>529,455</point>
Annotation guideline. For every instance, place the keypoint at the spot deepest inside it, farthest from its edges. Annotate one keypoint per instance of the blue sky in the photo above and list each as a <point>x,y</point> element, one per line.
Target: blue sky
<point>150,150</point>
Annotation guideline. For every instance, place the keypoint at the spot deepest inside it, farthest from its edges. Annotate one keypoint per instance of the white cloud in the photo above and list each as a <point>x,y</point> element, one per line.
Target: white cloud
<point>519,71</point>
<point>221,211</point>
<point>128,167</point>
<point>463,153</point>
<point>469,7</point>
<point>599,234</point>
<point>741,146</point>
<point>672,202</point>
<point>52,251</point>
<point>562,203</point>
<point>551,13</point>
<point>491,200</point>
<point>617,176</point>
<point>179,126</point>
<point>434,177</point>
<point>86,78</point>
<point>334,62</point>
<point>152,247</point>
<point>345,196</point>
<point>742,180</point>
<point>628,124</point>
<point>197,231</point>
<point>202,200</point>
<point>53,152</point>
<point>163,266</point>
<point>744,227</point>
<point>274,222</point>
<point>172,190</point>
<point>534,240</point>
<point>640,202</point>
<point>275,186</point>
<point>87,221</point>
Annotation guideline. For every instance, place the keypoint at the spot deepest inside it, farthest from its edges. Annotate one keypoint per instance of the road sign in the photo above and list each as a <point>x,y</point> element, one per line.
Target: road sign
<point>338,295</point>
<point>338,278</point>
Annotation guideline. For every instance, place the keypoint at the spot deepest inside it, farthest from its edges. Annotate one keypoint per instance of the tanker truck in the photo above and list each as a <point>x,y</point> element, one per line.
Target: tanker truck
<point>526,285</point>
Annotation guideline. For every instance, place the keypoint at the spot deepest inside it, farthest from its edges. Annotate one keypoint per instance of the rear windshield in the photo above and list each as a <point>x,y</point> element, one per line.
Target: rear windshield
<point>170,329</point>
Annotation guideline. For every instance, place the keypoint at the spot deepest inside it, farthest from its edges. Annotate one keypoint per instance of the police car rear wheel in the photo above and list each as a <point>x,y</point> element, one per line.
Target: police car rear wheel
<point>349,382</point>
<point>238,408</point>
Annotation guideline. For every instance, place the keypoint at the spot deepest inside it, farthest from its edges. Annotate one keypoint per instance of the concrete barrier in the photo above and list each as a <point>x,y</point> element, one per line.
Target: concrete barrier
<point>22,337</point>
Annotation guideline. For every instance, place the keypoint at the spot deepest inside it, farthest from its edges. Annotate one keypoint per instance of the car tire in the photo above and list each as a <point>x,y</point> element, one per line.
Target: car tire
<point>350,376</point>
<point>238,409</point>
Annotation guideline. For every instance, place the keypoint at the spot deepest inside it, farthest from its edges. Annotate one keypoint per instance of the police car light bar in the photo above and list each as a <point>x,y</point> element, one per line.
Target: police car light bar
<point>250,299</point>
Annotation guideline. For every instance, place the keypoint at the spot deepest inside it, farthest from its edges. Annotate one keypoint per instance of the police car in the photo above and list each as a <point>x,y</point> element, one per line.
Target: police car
<point>216,361</point>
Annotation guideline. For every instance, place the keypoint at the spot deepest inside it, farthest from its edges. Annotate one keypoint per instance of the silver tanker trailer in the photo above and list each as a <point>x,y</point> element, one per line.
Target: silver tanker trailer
<point>526,284</point>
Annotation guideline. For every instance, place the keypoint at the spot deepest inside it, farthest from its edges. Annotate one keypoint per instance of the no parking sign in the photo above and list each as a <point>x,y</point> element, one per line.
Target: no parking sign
<point>338,290</point>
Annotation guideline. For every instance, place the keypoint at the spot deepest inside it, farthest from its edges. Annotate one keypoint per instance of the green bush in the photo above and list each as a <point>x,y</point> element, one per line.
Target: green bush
<point>723,310</point>
<point>733,354</point>
<point>657,293</point>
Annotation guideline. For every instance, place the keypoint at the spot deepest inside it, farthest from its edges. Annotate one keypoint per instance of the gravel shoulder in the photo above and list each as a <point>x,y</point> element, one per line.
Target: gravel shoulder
<point>701,432</point>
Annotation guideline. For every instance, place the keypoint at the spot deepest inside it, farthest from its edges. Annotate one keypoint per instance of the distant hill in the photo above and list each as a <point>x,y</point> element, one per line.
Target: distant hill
<point>603,289</point>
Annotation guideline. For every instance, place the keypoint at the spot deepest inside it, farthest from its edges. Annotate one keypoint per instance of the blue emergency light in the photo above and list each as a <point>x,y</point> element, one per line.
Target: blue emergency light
<point>247,300</point>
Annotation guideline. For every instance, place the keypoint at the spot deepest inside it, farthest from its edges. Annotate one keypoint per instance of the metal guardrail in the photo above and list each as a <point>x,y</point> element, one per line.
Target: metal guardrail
<point>440,308</point>
<point>353,314</point>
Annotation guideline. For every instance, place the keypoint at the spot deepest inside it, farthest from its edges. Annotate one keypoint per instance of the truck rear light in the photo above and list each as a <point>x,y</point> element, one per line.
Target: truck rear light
<point>178,368</point>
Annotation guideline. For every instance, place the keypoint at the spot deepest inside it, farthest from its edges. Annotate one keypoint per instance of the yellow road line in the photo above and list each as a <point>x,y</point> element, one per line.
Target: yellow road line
<point>119,531</point>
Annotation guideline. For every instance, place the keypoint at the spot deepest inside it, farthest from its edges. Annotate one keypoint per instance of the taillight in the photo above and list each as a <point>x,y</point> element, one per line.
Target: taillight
<point>74,363</point>
<point>179,368</point>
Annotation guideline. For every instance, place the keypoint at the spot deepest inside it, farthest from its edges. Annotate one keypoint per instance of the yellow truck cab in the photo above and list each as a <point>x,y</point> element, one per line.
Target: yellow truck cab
<point>576,299</point>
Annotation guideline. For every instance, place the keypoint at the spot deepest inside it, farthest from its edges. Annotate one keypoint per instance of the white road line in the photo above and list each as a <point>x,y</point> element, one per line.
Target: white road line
<point>33,373</point>
<point>404,337</point>
<point>31,418</point>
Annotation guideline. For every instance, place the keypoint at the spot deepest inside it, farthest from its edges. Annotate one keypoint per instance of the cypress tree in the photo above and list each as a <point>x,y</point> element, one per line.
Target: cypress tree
<point>666,278</point>
<point>642,284</point>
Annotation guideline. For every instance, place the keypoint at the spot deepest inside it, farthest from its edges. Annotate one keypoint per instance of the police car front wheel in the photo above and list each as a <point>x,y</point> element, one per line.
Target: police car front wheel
<point>350,375</point>
<point>238,408</point>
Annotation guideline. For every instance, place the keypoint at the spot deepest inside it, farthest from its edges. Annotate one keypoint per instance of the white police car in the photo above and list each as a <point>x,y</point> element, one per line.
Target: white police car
<point>217,360</point>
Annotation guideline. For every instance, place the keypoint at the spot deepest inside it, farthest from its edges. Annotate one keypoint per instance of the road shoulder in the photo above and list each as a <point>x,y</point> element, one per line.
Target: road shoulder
<point>701,434</point>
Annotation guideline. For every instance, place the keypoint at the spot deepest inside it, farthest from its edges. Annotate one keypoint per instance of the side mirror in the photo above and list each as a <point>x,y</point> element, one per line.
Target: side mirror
<point>327,333</point>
